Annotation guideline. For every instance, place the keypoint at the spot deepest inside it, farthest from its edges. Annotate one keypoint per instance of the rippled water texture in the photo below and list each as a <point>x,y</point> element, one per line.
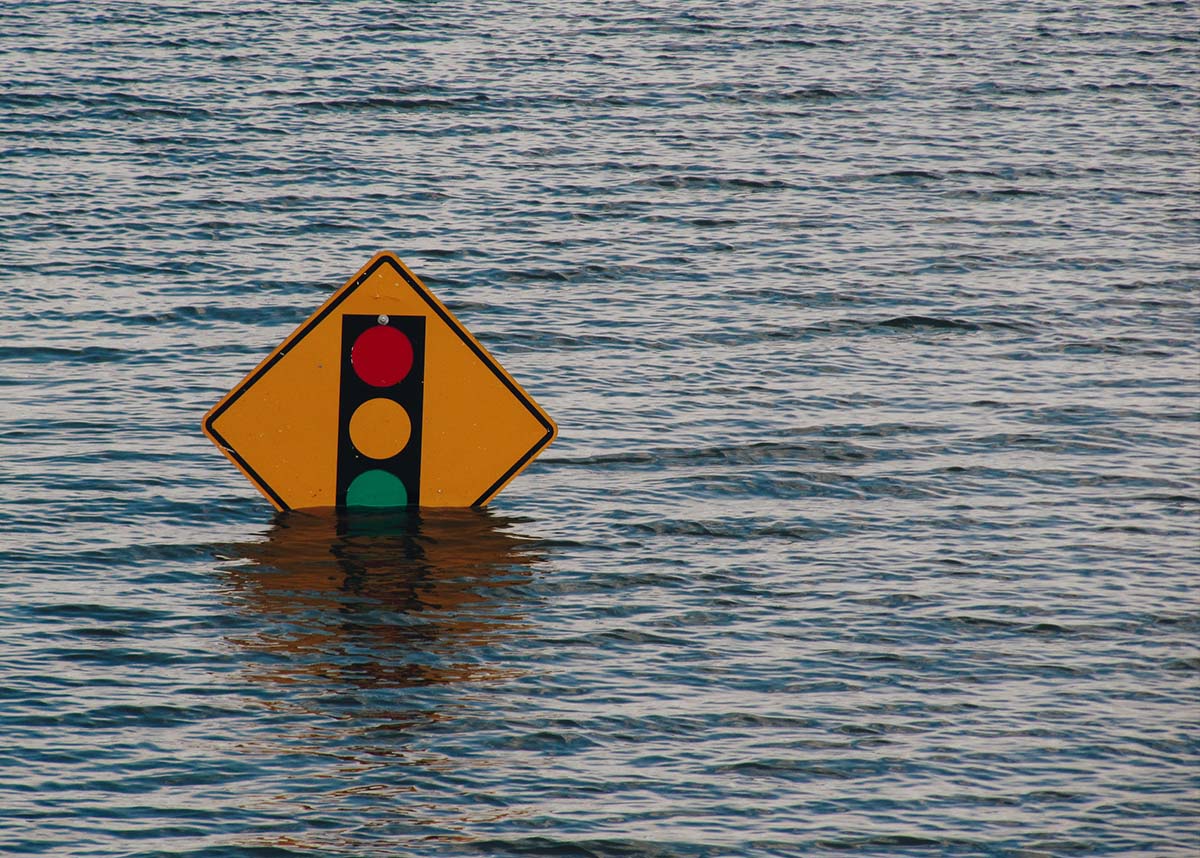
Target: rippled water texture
<point>871,330</point>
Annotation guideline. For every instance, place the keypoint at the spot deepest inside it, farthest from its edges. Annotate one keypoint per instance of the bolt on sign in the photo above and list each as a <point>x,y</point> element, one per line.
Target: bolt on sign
<point>380,399</point>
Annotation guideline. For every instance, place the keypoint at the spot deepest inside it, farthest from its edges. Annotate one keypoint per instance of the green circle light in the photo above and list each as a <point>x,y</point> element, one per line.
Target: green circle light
<point>376,488</point>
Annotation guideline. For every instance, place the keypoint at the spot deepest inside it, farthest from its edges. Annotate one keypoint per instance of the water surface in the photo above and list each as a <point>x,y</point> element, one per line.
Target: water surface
<point>872,337</point>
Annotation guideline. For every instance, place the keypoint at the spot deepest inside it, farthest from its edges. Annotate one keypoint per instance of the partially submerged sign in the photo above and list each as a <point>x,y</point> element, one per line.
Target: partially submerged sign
<point>381,398</point>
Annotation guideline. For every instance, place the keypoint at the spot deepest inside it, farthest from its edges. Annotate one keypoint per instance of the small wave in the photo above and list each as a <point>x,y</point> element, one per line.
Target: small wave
<point>98,613</point>
<point>738,530</point>
<point>680,182</point>
<point>814,93</point>
<point>790,43</point>
<point>752,453</point>
<point>907,177</point>
<point>154,112</point>
<point>193,314</point>
<point>1169,498</point>
<point>994,193</point>
<point>892,843</point>
<point>386,27</point>
<point>1115,346</point>
<point>391,103</point>
<point>1031,172</point>
<point>927,323</point>
<point>994,88</point>
<point>50,354</point>
<point>843,769</point>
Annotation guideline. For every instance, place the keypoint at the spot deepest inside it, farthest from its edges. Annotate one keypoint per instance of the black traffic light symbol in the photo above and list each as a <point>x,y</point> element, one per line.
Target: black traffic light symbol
<point>379,411</point>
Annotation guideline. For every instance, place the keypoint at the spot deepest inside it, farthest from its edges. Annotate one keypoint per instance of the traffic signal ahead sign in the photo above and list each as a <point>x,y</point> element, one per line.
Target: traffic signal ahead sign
<point>381,398</point>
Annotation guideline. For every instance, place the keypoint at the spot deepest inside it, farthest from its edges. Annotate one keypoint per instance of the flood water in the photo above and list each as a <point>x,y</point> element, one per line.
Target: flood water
<point>872,524</point>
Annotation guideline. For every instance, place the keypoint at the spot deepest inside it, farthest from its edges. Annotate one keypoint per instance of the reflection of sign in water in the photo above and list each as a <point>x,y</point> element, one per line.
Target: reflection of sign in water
<point>380,399</point>
<point>380,599</point>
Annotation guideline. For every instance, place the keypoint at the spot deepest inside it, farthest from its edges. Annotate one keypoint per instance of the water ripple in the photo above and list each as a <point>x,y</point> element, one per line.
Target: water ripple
<point>872,524</point>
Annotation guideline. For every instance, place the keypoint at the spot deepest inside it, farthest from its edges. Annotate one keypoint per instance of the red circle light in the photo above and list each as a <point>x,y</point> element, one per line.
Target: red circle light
<point>381,356</point>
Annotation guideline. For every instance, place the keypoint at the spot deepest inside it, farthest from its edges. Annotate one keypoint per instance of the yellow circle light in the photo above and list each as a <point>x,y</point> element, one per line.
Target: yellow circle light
<point>380,428</point>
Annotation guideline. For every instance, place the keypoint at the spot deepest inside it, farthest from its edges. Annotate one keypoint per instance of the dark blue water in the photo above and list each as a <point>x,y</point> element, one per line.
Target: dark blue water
<point>871,529</point>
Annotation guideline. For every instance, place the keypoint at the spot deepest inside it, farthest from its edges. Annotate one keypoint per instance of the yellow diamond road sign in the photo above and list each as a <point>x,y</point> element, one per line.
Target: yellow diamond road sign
<point>381,398</point>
